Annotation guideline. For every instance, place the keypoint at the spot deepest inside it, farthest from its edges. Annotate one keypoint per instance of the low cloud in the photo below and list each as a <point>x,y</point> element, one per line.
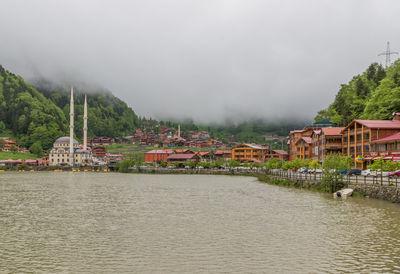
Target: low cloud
<point>206,60</point>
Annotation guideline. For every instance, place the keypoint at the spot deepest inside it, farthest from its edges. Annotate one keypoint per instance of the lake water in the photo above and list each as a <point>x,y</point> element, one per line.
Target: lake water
<point>115,223</point>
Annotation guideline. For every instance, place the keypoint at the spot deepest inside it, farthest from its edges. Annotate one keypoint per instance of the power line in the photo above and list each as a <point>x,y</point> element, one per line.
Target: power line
<point>387,53</point>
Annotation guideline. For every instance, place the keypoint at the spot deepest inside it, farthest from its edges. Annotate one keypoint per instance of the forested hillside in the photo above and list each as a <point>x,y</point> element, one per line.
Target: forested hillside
<point>40,114</point>
<point>107,115</point>
<point>26,114</point>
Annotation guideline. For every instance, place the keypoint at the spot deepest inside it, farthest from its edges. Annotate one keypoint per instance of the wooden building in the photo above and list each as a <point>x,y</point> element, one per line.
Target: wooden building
<point>223,154</point>
<point>294,137</point>
<point>304,148</point>
<point>99,152</point>
<point>181,158</point>
<point>100,141</point>
<point>326,141</point>
<point>359,135</point>
<point>249,153</point>
<point>278,154</point>
<point>387,146</point>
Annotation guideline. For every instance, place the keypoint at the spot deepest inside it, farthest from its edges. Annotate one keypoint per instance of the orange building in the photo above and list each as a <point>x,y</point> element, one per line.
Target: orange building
<point>249,153</point>
<point>157,155</point>
<point>304,148</point>
<point>294,137</point>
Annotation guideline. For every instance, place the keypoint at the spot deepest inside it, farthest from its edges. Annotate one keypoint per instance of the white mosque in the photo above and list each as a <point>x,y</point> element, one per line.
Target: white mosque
<point>66,150</point>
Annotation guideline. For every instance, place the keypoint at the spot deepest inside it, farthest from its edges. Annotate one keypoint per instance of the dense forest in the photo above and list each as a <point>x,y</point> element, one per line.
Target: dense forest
<point>375,94</point>
<point>27,114</point>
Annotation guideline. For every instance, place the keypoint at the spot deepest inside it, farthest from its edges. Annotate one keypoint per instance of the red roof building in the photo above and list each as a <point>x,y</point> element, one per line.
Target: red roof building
<point>223,154</point>
<point>294,137</point>
<point>278,154</point>
<point>180,157</point>
<point>359,136</point>
<point>387,146</point>
<point>157,155</point>
<point>326,141</point>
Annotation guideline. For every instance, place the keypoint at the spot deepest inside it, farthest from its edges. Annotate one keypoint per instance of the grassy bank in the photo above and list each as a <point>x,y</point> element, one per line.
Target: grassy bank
<point>4,155</point>
<point>287,183</point>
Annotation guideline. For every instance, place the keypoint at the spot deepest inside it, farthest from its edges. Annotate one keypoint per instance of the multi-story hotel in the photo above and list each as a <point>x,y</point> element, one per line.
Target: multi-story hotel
<point>249,153</point>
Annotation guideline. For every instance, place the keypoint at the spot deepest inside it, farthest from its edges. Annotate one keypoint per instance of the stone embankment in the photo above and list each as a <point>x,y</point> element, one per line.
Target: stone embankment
<point>382,192</point>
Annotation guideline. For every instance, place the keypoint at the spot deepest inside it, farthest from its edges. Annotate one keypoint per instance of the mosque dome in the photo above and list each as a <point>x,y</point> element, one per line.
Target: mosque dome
<point>65,139</point>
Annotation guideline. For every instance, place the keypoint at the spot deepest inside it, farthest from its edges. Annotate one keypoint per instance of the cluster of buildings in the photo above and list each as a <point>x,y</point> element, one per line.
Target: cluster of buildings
<point>250,153</point>
<point>11,146</point>
<point>363,140</point>
<point>184,155</point>
<point>170,137</point>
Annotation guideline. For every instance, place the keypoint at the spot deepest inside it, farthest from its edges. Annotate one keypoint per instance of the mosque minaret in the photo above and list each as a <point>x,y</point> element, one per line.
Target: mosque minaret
<point>71,129</point>
<point>85,125</point>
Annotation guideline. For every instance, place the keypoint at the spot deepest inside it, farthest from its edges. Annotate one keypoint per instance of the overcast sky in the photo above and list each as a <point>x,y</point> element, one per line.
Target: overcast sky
<point>207,60</point>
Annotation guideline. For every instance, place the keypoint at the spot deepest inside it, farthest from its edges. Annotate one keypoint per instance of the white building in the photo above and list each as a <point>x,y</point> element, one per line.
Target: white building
<point>66,150</point>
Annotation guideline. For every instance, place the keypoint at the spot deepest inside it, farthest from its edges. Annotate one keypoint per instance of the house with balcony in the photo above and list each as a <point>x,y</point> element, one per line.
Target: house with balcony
<point>249,153</point>
<point>278,154</point>
<point>294,137</point>
<point>326,141</point>
<point>359,136</point>
<point>303,148</point>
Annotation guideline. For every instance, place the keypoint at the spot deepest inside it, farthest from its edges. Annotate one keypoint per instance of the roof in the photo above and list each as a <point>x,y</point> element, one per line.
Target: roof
<point>160,151</point>
<point>297,131</point>
<point>223,152</point>
<point>308,140</point>
<point>180,156</point>
<point>377,123</point>
<point>255,146</point>
<point>279,151</point>
<point>65,139</point>
<point>392,137</point>
<point>331,131</point>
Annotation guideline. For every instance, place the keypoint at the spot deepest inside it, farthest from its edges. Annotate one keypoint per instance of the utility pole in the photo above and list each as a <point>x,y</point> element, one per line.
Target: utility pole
<point>387,53</point>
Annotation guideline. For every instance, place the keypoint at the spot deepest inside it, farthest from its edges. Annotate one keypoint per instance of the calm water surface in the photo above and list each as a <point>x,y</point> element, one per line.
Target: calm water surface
<point>104,223</point>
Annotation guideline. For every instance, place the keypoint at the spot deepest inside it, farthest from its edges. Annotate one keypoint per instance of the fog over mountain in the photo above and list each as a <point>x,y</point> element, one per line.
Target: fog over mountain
<point>206,60</point>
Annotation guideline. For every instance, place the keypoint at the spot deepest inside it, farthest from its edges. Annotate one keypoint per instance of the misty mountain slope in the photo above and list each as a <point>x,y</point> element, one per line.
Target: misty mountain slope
<point>361,97</point>
<point>107,115</point>
<point>27,114</point>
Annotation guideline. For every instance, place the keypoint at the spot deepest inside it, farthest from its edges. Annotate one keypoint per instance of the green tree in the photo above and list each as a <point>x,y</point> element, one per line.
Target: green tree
<point>314,164</point>
<point>13,149</point>
<point>124,165</point>
<point>36,148</point>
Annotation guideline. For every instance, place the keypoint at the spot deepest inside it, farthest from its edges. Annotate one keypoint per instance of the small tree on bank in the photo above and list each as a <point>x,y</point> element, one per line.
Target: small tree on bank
<point>36,148</point>
<point>333,164</point>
